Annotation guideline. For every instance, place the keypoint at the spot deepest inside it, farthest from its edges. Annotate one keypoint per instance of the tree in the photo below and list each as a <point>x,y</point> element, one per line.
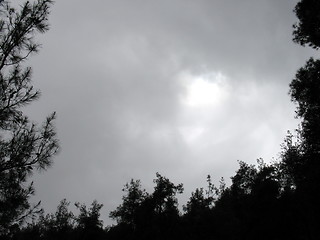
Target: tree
<point>89,218</point>
<point>304,91</point>
<point>160,210</point>
<point>307,30</point>
<point>147,216</point>
<point>127,212</point>
<point>89,225</point>
<point>164,195</point>
<point>301,161</point>
<point>24,146</point>
<point>197,220</point>
<point>198,203</point>
<point>243,181</point>
<point>60,224</point>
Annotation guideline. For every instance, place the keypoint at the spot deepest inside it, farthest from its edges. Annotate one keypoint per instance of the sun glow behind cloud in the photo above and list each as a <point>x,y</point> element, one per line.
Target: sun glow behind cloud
<point>204,90</point>
<point>203,101</point>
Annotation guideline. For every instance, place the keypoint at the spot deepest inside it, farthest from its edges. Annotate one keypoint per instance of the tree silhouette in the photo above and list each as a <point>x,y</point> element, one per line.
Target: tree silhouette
<point>164,195</point>
<point>197,204</point>
<point>24,147</point>
<point>304,91</point>
<point>127,212</point>
<point>89,218</point>
<point>58,225</point>
<point>302,160</point>
<point>89,224</point>
<point>145,216</point>
<point>307,30</point>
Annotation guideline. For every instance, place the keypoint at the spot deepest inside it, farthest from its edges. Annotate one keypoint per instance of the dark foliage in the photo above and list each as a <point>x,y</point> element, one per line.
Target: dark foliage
<point>307,30</point>
<point>126,213</point>
<point>24,147</point>
<point>145,216</point>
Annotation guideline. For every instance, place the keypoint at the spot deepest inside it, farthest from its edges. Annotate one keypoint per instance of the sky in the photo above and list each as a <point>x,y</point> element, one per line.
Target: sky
<point>181,87</point>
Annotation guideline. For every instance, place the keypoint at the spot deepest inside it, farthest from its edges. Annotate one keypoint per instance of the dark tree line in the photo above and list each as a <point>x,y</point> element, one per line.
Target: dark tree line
<point>279,200</point>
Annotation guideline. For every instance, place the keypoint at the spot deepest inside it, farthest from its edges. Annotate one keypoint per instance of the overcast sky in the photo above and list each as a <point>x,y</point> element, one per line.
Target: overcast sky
<point>180,87</point>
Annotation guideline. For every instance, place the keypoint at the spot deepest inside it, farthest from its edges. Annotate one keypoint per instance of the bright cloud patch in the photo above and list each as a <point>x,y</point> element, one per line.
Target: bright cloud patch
<point>204,90</point>
<point>203,102</point>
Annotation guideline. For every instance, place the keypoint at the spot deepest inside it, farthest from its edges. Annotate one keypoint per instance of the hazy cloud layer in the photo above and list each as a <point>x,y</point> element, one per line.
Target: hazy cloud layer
<point>131,84</point>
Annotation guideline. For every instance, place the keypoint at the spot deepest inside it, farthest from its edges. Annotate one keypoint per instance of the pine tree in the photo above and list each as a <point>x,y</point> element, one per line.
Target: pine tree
<point>24,146</point>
